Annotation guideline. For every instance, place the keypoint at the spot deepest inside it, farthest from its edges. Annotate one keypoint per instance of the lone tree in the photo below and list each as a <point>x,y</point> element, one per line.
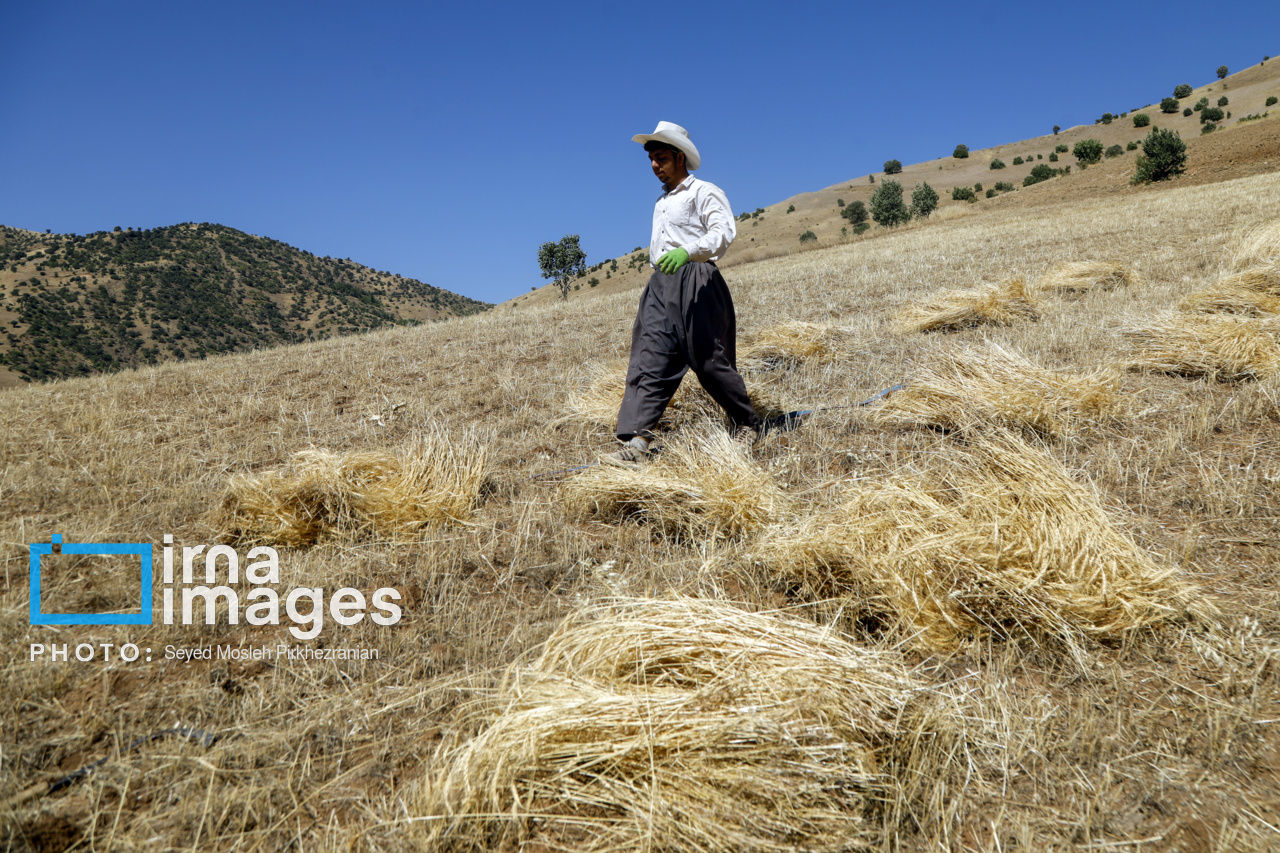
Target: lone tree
<point>1222,71</point>
<point>892,167</point>
<point>924,200</point>
<point>1164,155</point>
<point>856,213</point>
<point>562,261</point>
<point>887,207</point>
<point>1087,151</point>
<point>961,152</point>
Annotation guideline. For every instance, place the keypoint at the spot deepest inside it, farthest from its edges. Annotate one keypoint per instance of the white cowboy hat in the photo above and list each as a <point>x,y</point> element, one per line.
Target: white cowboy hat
<point>673,134</point>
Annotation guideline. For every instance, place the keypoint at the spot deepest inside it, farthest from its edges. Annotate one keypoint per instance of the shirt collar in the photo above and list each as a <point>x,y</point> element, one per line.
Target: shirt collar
<point>683,185</point>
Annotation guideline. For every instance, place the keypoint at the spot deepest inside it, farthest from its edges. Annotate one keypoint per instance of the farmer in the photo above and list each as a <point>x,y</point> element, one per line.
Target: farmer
<point>686,317</point>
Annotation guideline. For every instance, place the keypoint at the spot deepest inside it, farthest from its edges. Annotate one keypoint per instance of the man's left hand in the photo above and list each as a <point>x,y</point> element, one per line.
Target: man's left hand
<point>673,260</point>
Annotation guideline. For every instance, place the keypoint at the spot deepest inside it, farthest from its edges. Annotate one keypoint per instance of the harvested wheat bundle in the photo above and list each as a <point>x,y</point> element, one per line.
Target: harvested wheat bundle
<point>351,495</point>
<point>1258,247</point>
<point>982,385</point>
<point>995,538</point>
<point>792,343</point>
<point>990,305</point>
<point>1082,276</point>
<point>598,400</point>
<point>683,725</point>
<point>1221,347</point>
<point>701,484</point>
<point>1252,293</point>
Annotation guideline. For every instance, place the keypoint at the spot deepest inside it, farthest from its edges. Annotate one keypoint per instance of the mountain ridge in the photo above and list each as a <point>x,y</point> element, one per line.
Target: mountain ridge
<point>73,305</point>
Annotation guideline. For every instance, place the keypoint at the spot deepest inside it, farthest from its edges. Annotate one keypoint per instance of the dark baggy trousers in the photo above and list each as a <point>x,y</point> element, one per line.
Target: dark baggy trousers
<point>685,320</point>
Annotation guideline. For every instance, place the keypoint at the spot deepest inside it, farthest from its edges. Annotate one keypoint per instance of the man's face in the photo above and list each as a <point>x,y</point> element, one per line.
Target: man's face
<point>667,166</point>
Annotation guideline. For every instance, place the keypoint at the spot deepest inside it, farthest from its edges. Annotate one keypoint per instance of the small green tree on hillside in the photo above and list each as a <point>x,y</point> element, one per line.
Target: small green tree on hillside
<point>1169,105</point>
<point>1183,90</point>
<point>1222,71</point>
<point>1087,151</point>
<point>562,261</point>
<point>892,167</point>
<point>924,200</point>
<point>961,152</point>
<point>856,213</point>
<point>887,207</point>
<point>1141,120</point>
<point>1164,155</point>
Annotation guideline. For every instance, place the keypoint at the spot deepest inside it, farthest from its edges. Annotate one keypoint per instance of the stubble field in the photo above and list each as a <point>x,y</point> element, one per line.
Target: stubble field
<point>1027,602</point>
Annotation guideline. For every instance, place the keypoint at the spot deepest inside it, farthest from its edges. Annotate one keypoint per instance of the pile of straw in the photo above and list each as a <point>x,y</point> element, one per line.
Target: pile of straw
<point>994,538</point>
<point>682,725</point>
<point>1221,347</point>
<point>1083,276</point>
<point>700,484</point>
<point>353,495</point>
<point>792,343</point>
<point>1252,293</point>
<point>967,387</point>
<point>951,310</point>
<point>597,401</point>
<point>1258,247</point>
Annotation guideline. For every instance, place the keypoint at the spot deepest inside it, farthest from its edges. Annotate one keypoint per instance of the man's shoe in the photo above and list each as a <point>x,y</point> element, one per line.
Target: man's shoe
<point>745,437</point>
<point>631,455</point>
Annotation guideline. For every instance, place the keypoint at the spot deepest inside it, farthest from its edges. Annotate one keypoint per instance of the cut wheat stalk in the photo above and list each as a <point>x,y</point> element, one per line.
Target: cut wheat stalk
<point>1252,293</point>
<point>996,538</point>
<point>1259,246</point>
<point>322,494</point>
<point>683,725</point>
<point>1001,304</point>
<point>701,483</point>
<point>1222,347</point>
<point>974,386</point>
<point>1083,276</point>
<point>793,343</point>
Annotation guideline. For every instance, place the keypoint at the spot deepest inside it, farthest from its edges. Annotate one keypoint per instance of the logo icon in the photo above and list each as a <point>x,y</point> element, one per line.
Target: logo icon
<point>143,551</point>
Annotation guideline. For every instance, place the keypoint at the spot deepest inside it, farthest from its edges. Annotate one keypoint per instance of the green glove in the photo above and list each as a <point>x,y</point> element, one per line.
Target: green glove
<point>673,260</point>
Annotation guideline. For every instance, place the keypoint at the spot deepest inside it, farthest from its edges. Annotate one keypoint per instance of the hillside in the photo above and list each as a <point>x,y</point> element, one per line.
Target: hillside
<point>1241,146</point>
<point>72,305</point>
<point>1028,601</point>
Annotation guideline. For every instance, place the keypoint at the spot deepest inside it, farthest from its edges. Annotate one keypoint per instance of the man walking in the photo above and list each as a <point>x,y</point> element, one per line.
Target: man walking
<point>686,318</point>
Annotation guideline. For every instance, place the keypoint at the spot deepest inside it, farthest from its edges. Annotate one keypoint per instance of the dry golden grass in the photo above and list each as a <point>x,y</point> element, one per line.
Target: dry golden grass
<point>700,483</point>
<point>1083,276</point>
<point>353,495</point>
<point>1160,733</point>
<point>793,343</point>
<point>1253,293</point>
<point>974,386</point>
<point>1001,304</point>
<point>683,725</point>
<point>996,538</point>
<point>1225,348</point>
<point>1260,246</point>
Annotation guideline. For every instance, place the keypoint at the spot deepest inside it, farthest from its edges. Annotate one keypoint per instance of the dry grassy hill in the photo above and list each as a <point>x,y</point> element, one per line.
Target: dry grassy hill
<point>1250,147</point>
<point>1027,602</point>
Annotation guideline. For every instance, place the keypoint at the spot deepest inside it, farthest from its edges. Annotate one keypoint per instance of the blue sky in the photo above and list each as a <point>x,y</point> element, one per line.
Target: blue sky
<point>445,142</point>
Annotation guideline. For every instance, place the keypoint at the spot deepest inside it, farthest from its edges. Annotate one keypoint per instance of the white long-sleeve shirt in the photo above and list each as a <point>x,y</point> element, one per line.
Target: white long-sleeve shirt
<point>694,216</point>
